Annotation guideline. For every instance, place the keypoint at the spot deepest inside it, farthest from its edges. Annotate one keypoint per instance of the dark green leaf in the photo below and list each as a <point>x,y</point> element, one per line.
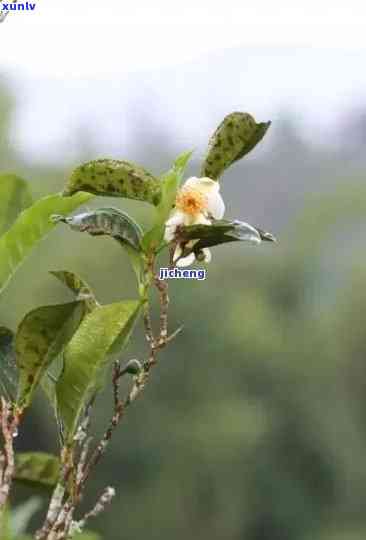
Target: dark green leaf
<point>41,336</point>
<point>14,197</point>
<point>106,221</point>
<point>170,184</point>
<point>220,232</point>
<point>37,468</point>
<point>237,135</point>
<point>8,369</point>
<point>115,178</point>
<point>29,228</point>
<point>78,286</point>
<point>103,333</point>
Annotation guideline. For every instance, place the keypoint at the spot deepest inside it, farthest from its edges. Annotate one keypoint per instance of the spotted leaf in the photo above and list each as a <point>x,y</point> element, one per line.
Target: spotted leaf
<point>41,336</point>
<point>114,178</point>
<point>8,369</point>
<point>235,137</point>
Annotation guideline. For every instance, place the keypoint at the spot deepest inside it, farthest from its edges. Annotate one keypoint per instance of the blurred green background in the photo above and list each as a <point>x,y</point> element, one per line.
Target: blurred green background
<point>253,426</point>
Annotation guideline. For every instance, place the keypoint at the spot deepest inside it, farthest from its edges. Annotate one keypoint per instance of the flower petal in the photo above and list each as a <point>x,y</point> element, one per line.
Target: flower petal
<point>169,234</point>
<point>207,255</point>
<point>186,261</point>
<point>191,182</point>
<point>204,185</point>
<point>216,205</point>
<point>200,219</point>
<point>176,218</point>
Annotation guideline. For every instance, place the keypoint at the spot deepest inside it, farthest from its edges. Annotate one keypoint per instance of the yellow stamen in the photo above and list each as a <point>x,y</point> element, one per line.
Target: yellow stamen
<point>191,201</point>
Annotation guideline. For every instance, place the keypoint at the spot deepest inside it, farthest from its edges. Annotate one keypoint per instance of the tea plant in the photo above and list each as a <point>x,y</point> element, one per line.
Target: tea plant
<point>67,350</point>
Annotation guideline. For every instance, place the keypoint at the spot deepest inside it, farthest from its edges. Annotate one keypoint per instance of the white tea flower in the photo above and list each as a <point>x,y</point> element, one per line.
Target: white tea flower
<point>197,202</point>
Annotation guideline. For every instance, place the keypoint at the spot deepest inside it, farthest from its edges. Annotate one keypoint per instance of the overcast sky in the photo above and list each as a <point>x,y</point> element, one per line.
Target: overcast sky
<point>80,61</point>
<point>79,37</point>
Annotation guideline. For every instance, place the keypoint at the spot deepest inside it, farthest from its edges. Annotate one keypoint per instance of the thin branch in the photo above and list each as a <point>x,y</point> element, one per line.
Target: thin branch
<point>104,500</point>
<point>119,409</point>
<point>9,427</point>
<point>148,325</point>
<point>162,287</point>
<point>4,14</point>
<point>56,511</point>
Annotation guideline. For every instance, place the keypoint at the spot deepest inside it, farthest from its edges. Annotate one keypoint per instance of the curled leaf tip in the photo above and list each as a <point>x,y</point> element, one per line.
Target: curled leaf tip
<point>57,218</point>
<point>266,236</point>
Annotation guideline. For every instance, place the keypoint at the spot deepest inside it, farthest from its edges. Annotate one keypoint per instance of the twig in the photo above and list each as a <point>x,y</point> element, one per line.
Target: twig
<point>54,510</point>
<point>164,305</point>
<point>148,325</point>
<point>104,500</point>
<point>119,409</point>
<point>9,426</point>
<point>4,14</point>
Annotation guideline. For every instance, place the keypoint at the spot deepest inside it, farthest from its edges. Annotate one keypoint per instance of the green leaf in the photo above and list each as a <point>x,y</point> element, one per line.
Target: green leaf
<point>102,333</point>
<point>115,178</point>
<point>220,232</point>
<point>106,221</point>
<point>237,135</point>
<point>41,336</point>
<point>170,184</point>
<point>8,369</point>
<point>32,224</point>
<point>23,513</point>
<point>78,286</point>
<point>37,468</point>
<point>14,197</point>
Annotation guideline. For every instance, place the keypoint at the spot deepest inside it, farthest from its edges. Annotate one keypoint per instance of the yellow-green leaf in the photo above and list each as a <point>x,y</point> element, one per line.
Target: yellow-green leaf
<point>29,228</point>
<point>103,333</point>
<point>14,197</point>
<point>170,184</point>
